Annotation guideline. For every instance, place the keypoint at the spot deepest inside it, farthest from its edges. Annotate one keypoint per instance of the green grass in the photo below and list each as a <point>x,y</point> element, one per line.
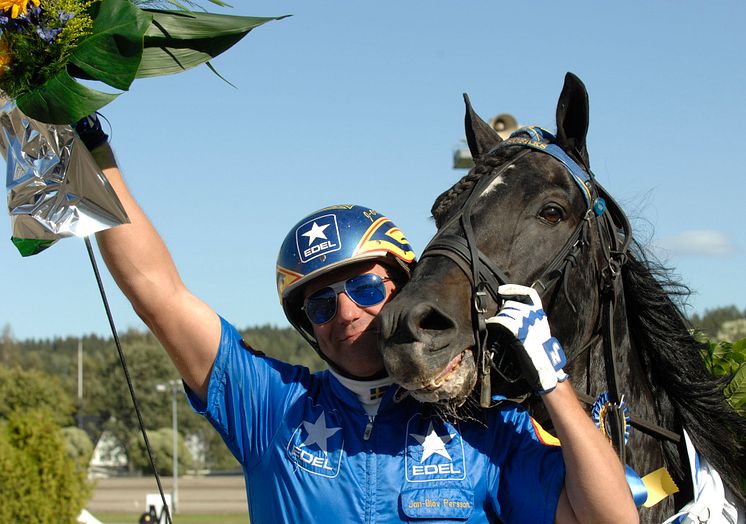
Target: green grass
<point>179,518</point>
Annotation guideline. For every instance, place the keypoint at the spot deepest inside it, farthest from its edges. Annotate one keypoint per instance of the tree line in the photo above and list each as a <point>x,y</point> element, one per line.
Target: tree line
<point>722,323</point>
<point>44,373</point>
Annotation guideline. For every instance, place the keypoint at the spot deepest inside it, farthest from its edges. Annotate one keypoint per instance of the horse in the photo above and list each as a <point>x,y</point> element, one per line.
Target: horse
<point>525,216</point>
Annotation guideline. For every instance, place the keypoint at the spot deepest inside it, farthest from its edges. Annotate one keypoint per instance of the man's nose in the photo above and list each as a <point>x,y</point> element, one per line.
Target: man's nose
<point>347,310</point>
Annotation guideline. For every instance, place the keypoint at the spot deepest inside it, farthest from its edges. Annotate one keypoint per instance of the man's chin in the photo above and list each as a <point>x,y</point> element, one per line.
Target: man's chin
<point>363,369</point>
<point>381,373</point>
<point>357,357</point>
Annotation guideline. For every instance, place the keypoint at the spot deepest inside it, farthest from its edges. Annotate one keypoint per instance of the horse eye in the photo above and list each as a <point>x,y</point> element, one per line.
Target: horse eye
<point>552,214</point>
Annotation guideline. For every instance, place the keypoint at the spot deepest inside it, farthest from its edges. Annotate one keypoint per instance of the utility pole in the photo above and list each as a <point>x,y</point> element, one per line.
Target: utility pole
<point>175,392</point>
<point>80,383</point>
<point>175,389</point>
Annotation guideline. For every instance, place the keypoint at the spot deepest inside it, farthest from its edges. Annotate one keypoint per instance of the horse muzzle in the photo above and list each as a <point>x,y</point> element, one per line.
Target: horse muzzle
<point>421,353</point>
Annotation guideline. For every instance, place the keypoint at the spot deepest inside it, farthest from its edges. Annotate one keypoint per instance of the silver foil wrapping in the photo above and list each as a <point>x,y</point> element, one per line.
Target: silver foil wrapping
<point>55,188</point>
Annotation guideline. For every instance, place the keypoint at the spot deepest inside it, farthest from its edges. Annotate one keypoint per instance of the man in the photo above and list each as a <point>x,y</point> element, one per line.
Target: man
<point>343,445</point>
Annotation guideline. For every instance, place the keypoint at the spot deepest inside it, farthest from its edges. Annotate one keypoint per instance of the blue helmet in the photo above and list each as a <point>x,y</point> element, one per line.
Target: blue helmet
<point>331,238</point>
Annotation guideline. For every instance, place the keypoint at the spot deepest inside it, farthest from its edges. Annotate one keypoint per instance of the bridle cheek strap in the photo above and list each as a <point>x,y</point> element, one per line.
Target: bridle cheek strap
<point>455,248</point>
<point>487,280</point>
<point>485,277</point>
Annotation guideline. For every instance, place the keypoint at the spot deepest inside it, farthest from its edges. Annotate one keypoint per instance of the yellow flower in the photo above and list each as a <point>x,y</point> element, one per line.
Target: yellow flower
<point>5,55</point>
<point>16,7</point>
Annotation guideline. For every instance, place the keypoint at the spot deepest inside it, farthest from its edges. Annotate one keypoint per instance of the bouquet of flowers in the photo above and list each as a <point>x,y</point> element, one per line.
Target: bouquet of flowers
<point>47,47</point>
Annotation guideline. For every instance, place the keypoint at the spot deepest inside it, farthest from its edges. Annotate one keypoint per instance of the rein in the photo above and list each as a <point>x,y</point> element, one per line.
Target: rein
<point>485,276</point>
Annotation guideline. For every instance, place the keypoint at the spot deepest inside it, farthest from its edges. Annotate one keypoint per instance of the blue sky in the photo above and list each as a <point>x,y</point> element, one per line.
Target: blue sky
<point>361,102</point>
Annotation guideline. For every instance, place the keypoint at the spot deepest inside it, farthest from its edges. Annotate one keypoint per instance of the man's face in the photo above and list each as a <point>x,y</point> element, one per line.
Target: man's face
<point>348,339</point>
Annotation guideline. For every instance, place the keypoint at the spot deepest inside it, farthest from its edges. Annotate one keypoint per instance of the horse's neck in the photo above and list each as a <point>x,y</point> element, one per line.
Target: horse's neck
<point>644,453</point>
<point>579,326</point>
<point>634,384</point>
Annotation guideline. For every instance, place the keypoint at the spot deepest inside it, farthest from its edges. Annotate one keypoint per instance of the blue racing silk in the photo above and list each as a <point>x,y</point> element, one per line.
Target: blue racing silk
<point>310,453</point>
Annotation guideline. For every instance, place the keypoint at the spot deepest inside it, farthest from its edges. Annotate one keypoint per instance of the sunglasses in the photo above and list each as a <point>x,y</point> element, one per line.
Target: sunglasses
<point>364,290</point>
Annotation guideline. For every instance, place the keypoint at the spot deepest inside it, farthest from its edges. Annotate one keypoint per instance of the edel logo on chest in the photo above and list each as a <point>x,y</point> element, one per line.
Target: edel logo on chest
<point>434,451</point>
<point>316,444</point>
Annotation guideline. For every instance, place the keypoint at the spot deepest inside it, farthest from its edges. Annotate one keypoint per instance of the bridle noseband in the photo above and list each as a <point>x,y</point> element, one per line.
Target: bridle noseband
<point>485,276</point>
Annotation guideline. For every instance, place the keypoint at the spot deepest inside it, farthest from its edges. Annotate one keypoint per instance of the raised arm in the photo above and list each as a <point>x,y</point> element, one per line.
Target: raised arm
<point>595,486</point>
<point>142,267</point>
<point>596,489</point>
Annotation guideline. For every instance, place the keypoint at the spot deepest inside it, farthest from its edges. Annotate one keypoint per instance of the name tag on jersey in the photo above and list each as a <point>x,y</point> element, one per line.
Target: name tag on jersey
<point>437,503</point>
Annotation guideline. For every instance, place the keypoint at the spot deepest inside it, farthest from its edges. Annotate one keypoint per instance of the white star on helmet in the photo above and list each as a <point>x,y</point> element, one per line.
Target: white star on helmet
<point>316,232</point>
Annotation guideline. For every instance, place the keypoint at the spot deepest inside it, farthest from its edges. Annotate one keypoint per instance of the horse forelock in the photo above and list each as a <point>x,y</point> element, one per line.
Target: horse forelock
<point>443,203</point>
<point>482,167</point>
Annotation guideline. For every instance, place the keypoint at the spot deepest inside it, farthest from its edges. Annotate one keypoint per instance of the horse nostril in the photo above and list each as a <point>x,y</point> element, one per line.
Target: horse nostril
<point>436,321</point>
<point>427,320</point>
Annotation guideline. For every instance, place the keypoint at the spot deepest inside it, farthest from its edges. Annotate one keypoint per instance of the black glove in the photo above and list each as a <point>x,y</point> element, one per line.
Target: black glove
<point>90,132</point>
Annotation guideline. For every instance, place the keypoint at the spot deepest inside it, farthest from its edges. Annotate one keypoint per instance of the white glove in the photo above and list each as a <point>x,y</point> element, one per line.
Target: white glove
<point>540,354</point>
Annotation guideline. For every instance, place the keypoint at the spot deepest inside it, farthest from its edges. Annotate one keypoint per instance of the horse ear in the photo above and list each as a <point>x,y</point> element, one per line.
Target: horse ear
<point>479,135</point>
<point>572,118</point>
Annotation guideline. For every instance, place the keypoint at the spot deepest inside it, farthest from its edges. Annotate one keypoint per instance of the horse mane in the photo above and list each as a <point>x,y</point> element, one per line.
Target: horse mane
<point>444,201</point>
<point>674,363</point>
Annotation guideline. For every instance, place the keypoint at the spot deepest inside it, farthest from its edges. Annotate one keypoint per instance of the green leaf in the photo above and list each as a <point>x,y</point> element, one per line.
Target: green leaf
<point>739,346</point>
<point>181,25</point>
<point>721,350</point>
<point>167,60</point>
<point>30,246</point>
<point>737,356</point>
<point>221,77</point>
<point>735,391</point>
<point>177,41</point>
<point>722,368</point>
<point>62,100</point>
<point>713,357</point>
<point>113,52</point>
<point>708,362</point>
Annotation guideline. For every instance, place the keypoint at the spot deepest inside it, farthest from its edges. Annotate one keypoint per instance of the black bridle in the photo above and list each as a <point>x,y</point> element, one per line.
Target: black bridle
<point>485,276</point>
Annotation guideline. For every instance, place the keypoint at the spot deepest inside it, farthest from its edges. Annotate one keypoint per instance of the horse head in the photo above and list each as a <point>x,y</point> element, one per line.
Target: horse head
<point>525,216</point>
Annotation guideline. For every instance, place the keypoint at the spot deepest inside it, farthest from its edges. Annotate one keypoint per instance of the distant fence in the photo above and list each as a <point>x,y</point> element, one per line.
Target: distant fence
<point>213,494</point>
